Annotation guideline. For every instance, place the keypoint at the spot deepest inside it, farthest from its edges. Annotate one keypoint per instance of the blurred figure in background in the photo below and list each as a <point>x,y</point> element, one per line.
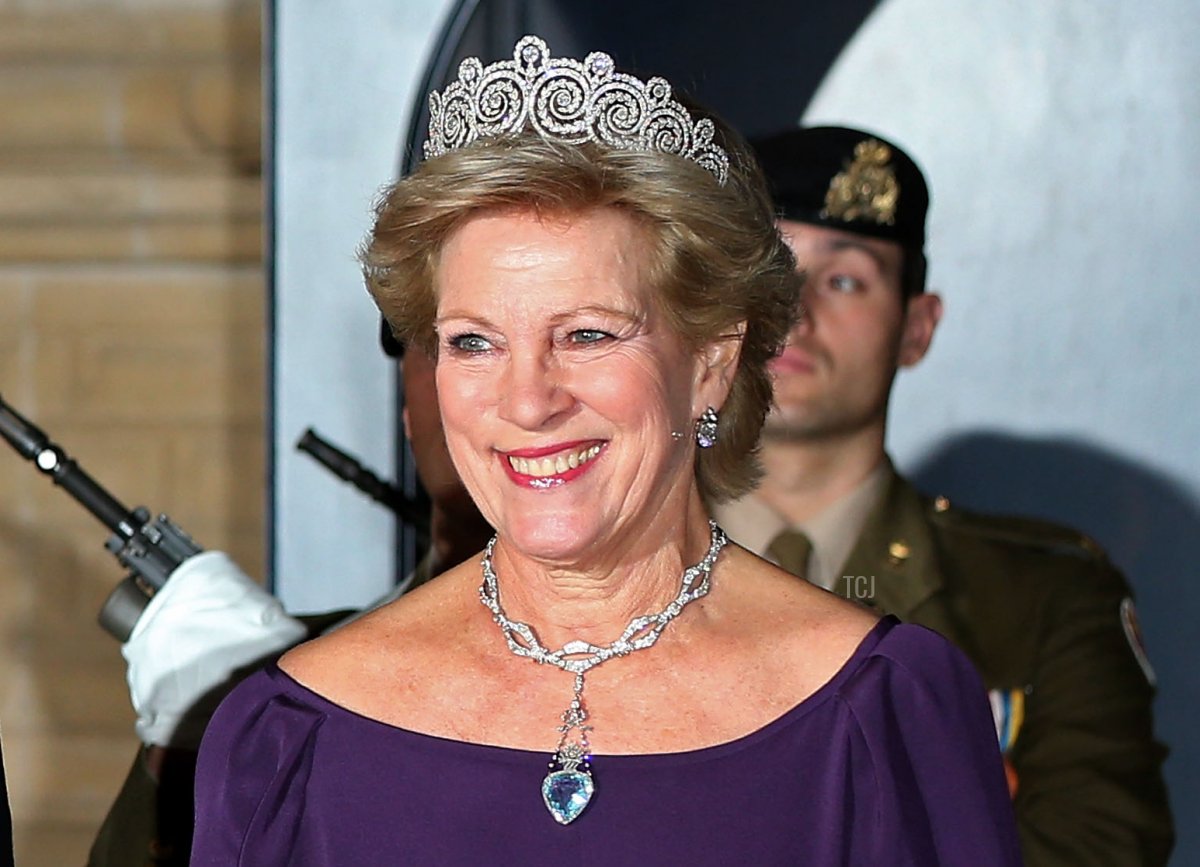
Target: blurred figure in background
<point>1047,619</point>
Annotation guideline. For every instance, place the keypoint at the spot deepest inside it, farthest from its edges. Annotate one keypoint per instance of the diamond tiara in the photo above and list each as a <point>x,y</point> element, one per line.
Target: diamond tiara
<point>567,101</point>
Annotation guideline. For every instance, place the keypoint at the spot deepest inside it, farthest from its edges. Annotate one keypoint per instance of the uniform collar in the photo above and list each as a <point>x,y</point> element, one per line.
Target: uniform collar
<point>750,522</point>
<point>753,524</point>
<point>896,548</point>
<point>834,531</point>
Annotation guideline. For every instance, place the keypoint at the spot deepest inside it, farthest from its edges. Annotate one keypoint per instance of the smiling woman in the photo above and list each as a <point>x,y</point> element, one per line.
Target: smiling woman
<point>594,266</point>
<point>559,380</point>
<point>707,253</point>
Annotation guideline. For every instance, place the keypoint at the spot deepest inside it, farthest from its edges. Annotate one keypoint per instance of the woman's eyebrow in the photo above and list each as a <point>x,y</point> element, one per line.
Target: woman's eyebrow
<point>618,312</point>
<point>464,316</point>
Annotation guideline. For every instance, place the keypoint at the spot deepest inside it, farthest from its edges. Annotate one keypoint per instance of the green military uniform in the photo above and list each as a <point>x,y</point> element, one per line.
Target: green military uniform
<point>1038,608</point>
<point>150,822</point>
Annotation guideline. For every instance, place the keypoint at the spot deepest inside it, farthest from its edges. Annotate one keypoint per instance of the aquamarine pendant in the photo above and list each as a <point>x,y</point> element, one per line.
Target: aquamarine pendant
<point>569,787</point>
<point>566,793</point>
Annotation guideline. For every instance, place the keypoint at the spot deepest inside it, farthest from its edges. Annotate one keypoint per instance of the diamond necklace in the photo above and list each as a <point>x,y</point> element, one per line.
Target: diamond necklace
<point>569,786</point>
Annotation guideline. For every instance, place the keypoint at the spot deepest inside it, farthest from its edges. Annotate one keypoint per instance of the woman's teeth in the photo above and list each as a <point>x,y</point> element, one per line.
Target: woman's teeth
<point>553,466</point>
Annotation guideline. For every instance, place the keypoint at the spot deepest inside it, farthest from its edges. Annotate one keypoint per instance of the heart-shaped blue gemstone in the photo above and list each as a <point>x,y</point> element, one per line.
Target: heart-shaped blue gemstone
<point>566,793</point>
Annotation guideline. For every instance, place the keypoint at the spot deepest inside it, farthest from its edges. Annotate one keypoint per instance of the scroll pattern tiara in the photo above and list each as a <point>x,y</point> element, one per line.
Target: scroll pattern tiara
<point>567,101</point>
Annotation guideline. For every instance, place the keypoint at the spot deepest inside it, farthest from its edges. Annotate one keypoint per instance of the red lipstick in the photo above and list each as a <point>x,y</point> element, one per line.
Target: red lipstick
<point>526,480</point>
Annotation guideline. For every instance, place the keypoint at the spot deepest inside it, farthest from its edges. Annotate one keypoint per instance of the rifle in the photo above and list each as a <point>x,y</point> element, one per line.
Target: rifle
<point>151,549</point>
<point>349,469</point>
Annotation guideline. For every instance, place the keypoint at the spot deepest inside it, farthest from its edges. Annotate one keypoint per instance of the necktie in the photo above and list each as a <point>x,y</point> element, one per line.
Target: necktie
<point>791,549</point>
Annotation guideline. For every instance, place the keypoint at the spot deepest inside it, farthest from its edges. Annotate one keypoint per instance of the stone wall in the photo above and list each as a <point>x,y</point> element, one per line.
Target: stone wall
<point>132,332</point>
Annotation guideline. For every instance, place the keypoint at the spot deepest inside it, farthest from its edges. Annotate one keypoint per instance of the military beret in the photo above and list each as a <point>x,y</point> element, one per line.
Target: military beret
<point>846,179</point>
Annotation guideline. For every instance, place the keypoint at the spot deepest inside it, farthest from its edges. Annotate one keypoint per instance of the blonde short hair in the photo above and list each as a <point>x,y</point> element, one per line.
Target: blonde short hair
<point>716,258</point>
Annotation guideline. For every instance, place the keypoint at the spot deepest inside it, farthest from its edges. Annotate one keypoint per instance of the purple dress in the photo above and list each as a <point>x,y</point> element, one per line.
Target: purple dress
<point>892,762</point>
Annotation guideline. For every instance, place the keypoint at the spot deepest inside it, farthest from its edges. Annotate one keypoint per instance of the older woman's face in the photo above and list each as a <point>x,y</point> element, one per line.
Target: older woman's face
<point>559,382</point>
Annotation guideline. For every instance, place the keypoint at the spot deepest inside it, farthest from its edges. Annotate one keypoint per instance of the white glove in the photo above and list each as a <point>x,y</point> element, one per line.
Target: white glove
<point>206,622</point>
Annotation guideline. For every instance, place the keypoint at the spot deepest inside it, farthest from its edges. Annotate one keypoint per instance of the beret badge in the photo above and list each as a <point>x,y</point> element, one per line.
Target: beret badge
<point>866,190</point>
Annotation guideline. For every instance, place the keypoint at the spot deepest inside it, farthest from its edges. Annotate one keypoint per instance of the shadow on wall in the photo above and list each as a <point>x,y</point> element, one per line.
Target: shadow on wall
<point>1147,521</point>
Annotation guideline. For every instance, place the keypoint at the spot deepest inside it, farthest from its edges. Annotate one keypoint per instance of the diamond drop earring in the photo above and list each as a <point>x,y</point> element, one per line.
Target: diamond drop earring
<point>706,429</point>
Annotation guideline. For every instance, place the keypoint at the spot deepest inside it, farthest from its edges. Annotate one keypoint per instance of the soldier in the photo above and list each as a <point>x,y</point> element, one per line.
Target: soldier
<point>1044,615</point>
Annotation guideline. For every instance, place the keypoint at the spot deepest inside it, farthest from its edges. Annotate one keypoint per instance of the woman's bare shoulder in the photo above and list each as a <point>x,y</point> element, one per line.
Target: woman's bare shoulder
<point>381,646</point>
<point>811,631</point>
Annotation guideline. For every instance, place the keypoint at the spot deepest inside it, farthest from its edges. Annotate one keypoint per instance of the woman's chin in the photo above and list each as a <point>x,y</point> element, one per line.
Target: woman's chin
<point>551,538</point>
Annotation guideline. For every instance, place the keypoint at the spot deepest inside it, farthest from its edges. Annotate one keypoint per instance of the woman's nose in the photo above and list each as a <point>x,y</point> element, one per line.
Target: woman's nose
<point>532,391</point>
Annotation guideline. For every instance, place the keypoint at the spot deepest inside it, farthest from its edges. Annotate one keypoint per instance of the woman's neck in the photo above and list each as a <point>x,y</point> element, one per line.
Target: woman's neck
<point>594,601</point>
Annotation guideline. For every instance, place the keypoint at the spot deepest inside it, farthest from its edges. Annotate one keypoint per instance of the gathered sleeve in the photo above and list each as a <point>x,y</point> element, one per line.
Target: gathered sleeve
<point>254,765</point>
<point>927,754</point>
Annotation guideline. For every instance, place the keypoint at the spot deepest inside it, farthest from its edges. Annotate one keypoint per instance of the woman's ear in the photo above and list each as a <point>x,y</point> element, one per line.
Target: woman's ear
<point>717,363</point>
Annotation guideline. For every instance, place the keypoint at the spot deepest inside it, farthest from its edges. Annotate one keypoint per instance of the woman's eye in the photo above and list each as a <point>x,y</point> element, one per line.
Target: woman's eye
<point>586,336</point>
<point>469,343</point>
